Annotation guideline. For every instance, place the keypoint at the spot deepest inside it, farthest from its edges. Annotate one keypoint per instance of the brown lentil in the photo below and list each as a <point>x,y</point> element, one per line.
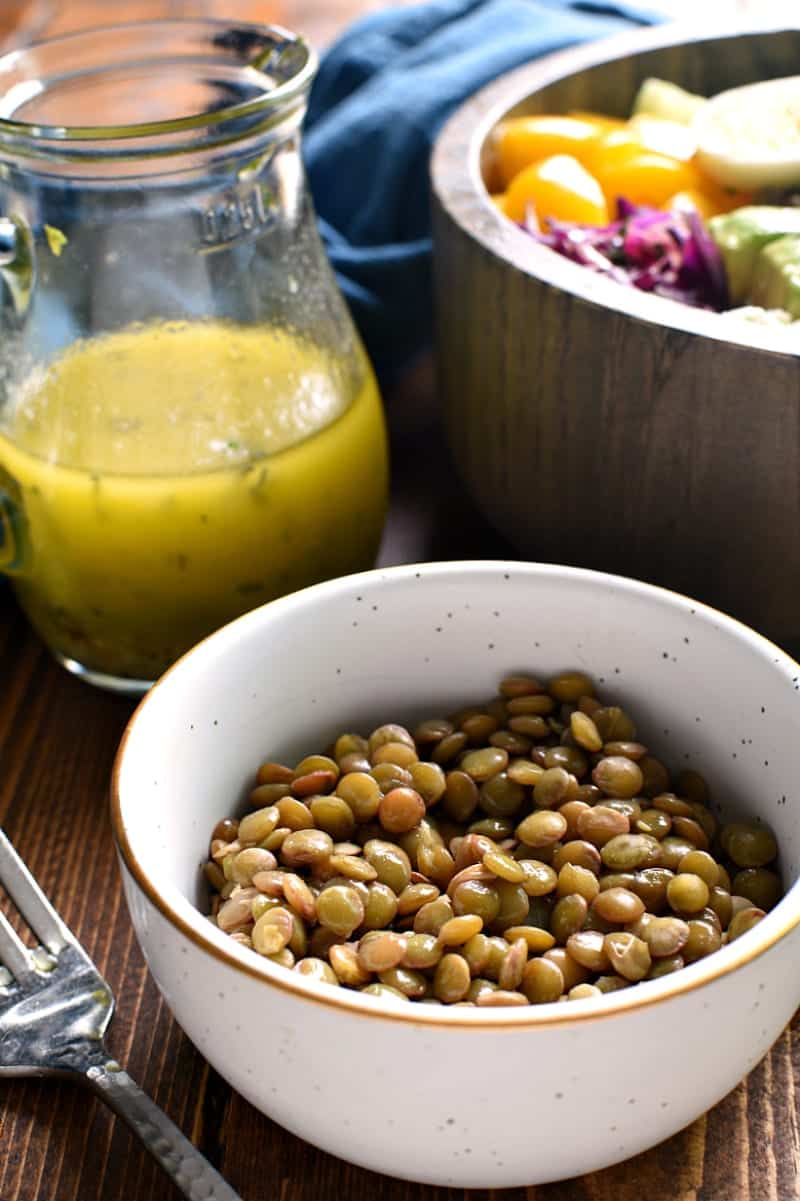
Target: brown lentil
<point>654,822</point>
<point>450,746</point>
<point>539,704</point>
<point>655,777</point>
<point>743,921</point>
<point>274,773</point>
<point>629,955</point>
<point>572,878</point>
<point>758,884</point>
<point>572,972</point>
<point>510,975</point>
<point>584,731</point>
<point>542,981</point>
<point>333,815</point>
<point>600,824</point>
<point>618,905</point>
<point>587,947</point>
<point>294,813</point>
<point>514,905</point>
<point>571,811</point>
<point>431,917</point>
<point>719,899</point>
<point>691,830</point>
<point>272,931</point>
<point>573,863</point>
<point>578,852</point>
<point>317,969</point>
<point>536,939</point>
<point>539,878</point>
<point>569,914</point>
<point>267,794</point>
<point>451,978</point>
<point>704,938</point>
<point>400,810</point>
<point>502,865</point>
<point>617,776</point>
<point>747,844</point>
<point>390,775</point>
<point>613,724</point>
<point>255,827</point>
<point>491,997</point>
<point>552,788</point>
<point>687,893</point>
<point>666,966</point>
<point>429,781</point>
<point>542,829</point>
<point>571,759</point>
<point>651,885</point>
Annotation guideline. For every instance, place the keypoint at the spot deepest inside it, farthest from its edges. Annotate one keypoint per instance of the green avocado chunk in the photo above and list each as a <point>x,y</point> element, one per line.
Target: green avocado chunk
<point>742,235</point>
<point>776,279</point>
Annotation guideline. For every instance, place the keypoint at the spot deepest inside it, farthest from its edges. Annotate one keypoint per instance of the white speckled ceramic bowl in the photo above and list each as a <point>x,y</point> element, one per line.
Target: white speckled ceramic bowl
<point>411,642</point>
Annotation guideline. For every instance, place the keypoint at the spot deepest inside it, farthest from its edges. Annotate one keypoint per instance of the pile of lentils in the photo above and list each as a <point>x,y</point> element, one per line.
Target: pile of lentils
<point>517,852</point>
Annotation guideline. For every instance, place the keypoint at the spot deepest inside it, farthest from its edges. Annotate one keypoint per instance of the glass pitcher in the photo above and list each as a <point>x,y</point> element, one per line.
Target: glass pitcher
<point>189,425</point>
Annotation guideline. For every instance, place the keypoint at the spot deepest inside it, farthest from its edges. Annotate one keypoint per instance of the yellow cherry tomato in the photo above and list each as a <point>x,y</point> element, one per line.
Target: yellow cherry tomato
<point>601,123</point>
<point>643,176</point>
<point>557,187</point>
<point>521,141</point>
<point>607,149</point>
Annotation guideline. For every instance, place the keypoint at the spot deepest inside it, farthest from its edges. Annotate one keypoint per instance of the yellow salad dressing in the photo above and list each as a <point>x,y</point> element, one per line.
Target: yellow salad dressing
<point>173,476</point>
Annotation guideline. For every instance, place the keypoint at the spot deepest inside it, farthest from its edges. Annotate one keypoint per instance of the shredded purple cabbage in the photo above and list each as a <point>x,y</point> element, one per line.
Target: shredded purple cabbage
<point>668,253</point>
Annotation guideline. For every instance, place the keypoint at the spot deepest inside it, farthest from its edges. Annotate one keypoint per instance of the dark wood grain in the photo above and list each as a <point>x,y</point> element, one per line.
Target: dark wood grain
<point>598,425</point>
<point>57,740</point>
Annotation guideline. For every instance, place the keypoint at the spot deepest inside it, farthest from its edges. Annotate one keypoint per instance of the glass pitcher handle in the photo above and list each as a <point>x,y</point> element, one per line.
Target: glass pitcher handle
<point>12,534</point>
<point>17,262</point>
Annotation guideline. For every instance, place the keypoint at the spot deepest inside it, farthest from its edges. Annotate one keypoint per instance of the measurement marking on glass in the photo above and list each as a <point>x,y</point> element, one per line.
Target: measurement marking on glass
<point>238,215</point>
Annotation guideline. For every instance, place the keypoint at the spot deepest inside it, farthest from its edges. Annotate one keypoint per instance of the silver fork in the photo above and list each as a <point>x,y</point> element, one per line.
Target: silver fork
<point>55,1008</point>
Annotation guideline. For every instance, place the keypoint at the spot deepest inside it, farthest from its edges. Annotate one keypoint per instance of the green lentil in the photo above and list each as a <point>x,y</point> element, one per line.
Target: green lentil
<point>422,951</point>
<point>476,897</point>
<point>758,884</point>
<point>747,844</point>
<point>572,863</point>
<point>451,979</point>
<point>542,981</point>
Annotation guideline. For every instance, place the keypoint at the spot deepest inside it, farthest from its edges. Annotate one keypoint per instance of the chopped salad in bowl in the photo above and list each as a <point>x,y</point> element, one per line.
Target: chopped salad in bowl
<point>688,198</point>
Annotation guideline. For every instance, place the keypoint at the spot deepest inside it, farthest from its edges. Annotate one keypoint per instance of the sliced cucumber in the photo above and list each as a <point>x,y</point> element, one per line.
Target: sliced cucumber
<point>660,98</point>
<point>749,137</point>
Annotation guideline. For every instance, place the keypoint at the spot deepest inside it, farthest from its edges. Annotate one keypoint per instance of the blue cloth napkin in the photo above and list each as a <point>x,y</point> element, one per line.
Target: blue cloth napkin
<point>382,93</point>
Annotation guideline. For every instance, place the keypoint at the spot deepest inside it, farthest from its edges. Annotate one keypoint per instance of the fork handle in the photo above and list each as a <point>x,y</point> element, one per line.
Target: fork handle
<point>180,1159</point>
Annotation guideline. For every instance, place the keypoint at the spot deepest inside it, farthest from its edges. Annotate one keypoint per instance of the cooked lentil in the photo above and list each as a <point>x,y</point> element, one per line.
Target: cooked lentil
<point>523,851</point>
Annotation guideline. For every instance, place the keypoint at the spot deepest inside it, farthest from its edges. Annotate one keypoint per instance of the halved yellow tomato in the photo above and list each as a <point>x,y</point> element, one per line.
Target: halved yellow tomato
<point>558,187</point>
<point>521,141</point>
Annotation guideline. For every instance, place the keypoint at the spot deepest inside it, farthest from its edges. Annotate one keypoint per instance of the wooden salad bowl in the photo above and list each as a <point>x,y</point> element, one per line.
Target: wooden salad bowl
<point>595,424</point>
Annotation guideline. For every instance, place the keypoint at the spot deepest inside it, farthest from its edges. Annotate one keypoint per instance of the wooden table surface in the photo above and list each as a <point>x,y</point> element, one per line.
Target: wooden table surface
<point>57,741</point>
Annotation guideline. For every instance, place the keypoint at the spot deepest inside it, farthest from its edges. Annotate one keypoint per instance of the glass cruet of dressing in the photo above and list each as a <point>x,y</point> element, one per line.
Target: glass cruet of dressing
<point>189,426</point>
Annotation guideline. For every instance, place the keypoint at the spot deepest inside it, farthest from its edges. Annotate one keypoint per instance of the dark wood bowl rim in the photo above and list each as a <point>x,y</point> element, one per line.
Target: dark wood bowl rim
<point>459,189</point>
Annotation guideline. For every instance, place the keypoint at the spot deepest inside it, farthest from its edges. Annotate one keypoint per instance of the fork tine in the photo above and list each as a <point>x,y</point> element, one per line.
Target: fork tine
<point>31,902</point>
<point>13,952</point>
